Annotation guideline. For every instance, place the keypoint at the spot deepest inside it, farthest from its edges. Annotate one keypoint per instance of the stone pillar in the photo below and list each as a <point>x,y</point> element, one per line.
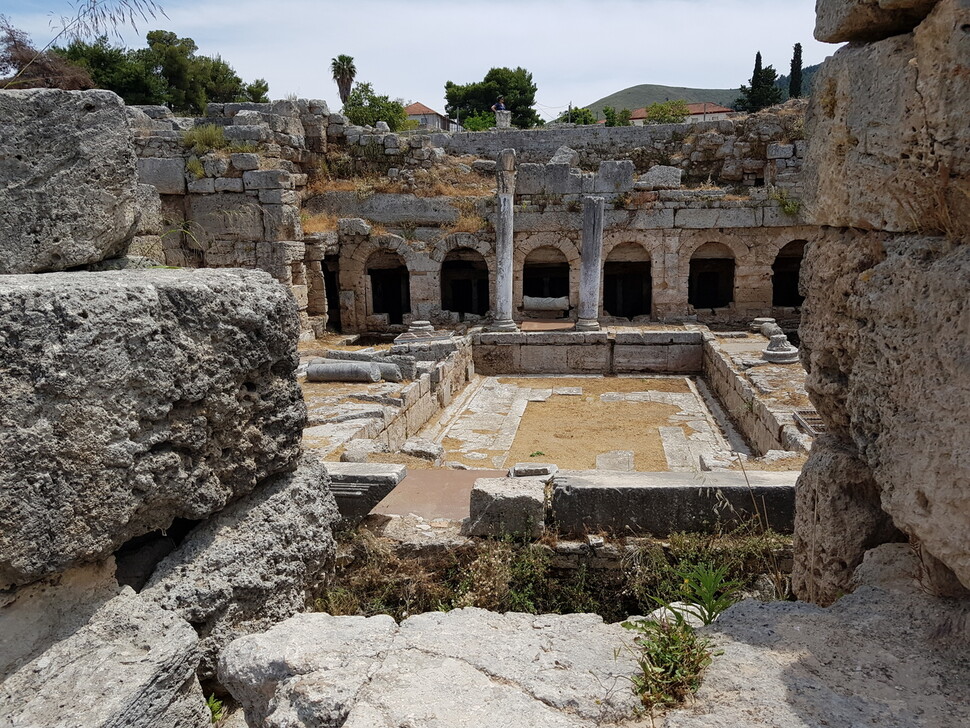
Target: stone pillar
<point>503,119</point>
<point>590,264</point>
<point>505,171</point>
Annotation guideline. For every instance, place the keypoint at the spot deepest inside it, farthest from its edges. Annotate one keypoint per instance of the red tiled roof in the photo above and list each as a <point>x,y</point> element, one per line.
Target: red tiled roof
<point>707,108</point>
<point>419,109</point>
<point>702,108</point>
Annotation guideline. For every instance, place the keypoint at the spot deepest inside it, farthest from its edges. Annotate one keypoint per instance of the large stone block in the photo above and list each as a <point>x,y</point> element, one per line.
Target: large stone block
<point>135,397</point>
<point>234,217</point>
<point>67,179</point>
<point>254,563</point>
<point>466,667</point>
<point>886,341</point>
<point>132,664</point>
<point>507,507</point>
<point>887,130</point>
<point>165,175</point>
<point>837,21</point>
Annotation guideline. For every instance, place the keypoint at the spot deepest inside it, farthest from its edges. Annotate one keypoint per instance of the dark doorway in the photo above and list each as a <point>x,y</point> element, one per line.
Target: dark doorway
<point>464,283</point>
<point>545,274</point>
<point>710,281</point>
<point>626,282</point>
<point>390,286</point>
<point>784,275</point>
<point>332,284</point>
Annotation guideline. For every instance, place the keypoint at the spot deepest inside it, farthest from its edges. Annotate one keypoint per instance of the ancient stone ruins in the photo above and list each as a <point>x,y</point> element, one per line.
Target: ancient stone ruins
<point>226,341</point>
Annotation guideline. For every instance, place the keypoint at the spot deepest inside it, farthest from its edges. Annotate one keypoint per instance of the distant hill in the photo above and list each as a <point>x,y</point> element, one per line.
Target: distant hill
<point>645,94</point>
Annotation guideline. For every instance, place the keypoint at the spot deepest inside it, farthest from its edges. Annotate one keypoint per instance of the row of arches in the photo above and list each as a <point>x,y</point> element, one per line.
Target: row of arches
<point>627,283</point>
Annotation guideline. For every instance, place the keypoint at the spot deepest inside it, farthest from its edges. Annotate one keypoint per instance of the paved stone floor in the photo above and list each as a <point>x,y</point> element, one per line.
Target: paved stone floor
<point>481,427</point>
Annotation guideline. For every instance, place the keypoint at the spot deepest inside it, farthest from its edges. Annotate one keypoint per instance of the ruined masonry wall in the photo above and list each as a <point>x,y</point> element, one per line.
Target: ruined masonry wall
<point>886,328</point>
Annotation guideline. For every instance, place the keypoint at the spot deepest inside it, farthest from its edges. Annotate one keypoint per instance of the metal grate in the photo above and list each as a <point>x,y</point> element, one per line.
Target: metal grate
<point>810,422</point>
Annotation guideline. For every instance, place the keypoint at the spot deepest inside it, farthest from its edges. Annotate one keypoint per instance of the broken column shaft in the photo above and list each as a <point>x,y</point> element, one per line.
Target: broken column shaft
<point>505,173</point>
<point>590,264</point>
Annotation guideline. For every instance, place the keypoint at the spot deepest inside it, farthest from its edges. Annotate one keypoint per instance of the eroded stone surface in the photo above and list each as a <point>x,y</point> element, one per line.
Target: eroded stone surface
<point>886,655</point>
<point>254,563</point>
<point>135,397</point>
<point>837,21</point>
<point>67,179</point>
<point>132,665</point>
<point>467,667</point>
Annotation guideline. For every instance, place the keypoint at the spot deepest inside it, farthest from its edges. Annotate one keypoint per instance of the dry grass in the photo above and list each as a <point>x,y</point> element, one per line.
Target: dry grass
<point>320,223</point>
<point>601,385</point>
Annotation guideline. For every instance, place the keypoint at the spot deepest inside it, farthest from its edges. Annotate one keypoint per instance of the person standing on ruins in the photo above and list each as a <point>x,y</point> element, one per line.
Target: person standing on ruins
<point>499,105</point>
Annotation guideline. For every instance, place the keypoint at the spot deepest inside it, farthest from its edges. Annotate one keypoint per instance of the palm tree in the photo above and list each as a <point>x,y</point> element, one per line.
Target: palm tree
<point>343,70</point>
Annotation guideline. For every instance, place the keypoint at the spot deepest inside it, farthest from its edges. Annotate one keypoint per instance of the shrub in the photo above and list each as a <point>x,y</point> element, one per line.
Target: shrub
<point>204,138</point>
<point>671,656</point>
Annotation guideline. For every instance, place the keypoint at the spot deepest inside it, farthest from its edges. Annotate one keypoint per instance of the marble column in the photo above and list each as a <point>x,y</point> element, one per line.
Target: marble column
<point>591,258</point>
<point>505,172</point>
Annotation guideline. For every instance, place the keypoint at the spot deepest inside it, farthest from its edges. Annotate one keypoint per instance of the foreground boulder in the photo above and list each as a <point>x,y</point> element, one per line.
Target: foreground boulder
<point>132,665</point>
<point>133,398</point>
<point>468,667</point>
<point>253,564</point>
<point>888,655</point>
<point>67,179</point>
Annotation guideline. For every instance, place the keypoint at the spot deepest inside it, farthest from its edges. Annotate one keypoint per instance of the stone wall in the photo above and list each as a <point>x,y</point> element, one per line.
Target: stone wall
<point>596,352</point>
<point>762,148</point>
<point>887,322</point>
<point>765,423</point>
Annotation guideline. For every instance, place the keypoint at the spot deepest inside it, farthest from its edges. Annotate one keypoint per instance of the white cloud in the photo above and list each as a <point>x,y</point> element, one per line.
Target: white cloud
<point>577,50</point>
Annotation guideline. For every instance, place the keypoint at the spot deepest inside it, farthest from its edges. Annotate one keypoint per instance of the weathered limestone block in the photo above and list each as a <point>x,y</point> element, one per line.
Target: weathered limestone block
<point>866,660</point>
<point>254,563</point>
<point>234,217</point>
<point>614,176</point>
<point>461,668</point>
<point>67,179</point>
<point>149,206</point>
<point>887,131</point>
<point>165,175</point>
<point>507,507</point>
<point>886,340</point>
<point>660,177</point>
<point>132,665</point>
<point>134,397</point>
<point>837,21</point>
<point>38,615</point>
<point>838,518</point>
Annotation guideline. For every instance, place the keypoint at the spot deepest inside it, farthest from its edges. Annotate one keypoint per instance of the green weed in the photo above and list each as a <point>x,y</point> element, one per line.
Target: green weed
<point>671,657</point>
<point>204,138</point>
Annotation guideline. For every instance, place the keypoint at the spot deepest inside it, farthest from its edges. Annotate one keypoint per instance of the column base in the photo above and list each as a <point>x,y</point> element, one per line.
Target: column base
<point>499,326</point>
<point>587,325</point>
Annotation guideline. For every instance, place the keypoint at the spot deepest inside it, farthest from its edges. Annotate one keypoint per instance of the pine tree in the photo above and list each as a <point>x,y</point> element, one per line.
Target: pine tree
<point>795,79</point>
<point>762,92</point>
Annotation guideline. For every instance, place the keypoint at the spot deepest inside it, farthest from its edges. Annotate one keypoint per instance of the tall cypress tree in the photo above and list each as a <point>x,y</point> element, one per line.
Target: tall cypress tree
<point>795,79</point>
<point>762,92</point>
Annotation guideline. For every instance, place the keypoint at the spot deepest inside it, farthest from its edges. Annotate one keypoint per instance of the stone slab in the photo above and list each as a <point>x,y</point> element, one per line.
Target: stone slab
<point>665,503</point>
<point>502,507</point>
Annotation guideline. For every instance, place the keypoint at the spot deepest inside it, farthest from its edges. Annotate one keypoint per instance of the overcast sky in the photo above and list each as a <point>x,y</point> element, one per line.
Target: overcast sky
<point>577,50</point>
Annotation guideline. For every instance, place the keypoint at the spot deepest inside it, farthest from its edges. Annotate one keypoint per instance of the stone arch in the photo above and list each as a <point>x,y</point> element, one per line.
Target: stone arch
<point>627,280</point>
<point>465,282</point>
<point>710,279</point>
<point>784,274</point>
<point>566,253</point>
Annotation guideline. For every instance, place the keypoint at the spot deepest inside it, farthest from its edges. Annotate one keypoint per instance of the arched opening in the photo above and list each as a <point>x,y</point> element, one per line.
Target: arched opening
<point>464,283</point>
<point>784,275</point>
<point>390,285</point>
<point>545,273</point>
<point>626,282</point>
<point>710,283</point>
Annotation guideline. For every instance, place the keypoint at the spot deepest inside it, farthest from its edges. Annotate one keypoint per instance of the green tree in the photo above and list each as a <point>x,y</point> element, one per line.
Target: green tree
<point>475,98</point>
<point>480,121</point>
<point>365,108</point>
<point>668,112</point>
<point>115,68</point>
<point>762,92</point>
<point>795,78</point>
<point>344,72</point>
<point>616,118</point>
<point>577,116</point>
<point>258,91</point>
